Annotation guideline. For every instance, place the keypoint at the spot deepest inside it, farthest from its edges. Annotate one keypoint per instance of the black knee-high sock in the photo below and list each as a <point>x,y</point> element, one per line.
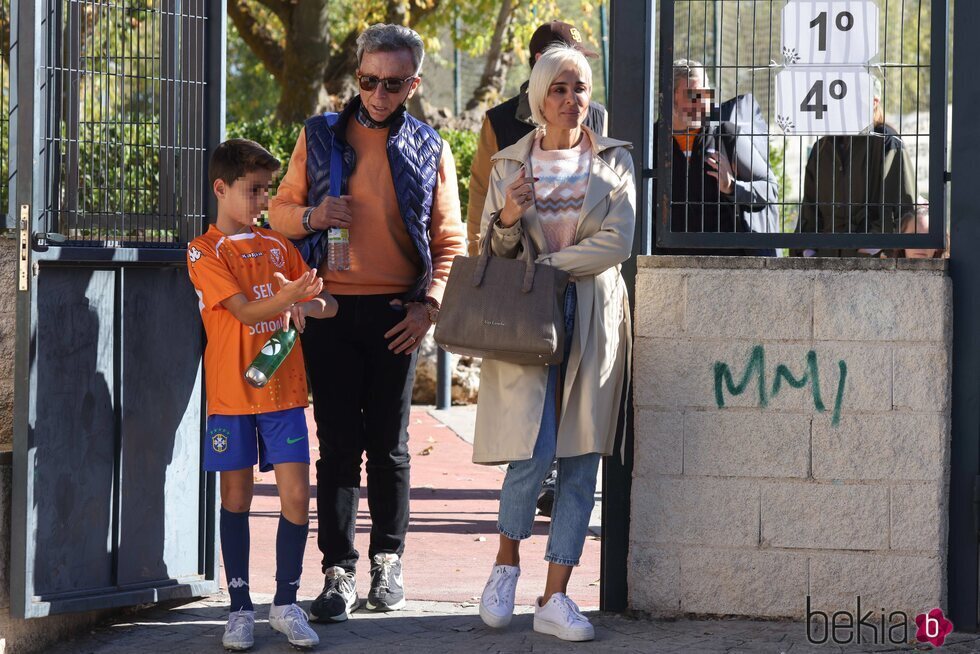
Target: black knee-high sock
<point>290,546</point>
<point>234,551</point>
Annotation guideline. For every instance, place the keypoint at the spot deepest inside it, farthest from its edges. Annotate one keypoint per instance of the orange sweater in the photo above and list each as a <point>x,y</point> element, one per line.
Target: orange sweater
<point>383,258</point>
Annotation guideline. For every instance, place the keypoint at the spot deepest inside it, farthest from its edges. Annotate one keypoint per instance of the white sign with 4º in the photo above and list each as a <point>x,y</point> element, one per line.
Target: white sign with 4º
<point>824,100</point>
<point>828,32</point>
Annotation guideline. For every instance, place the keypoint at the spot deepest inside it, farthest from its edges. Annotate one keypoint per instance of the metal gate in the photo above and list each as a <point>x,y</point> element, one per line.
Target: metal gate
<point>114,105</point>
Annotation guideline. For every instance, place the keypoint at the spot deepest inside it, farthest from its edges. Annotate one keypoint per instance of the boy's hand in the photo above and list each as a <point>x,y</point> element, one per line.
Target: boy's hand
<point>297,315</point>
<point>306,285</point>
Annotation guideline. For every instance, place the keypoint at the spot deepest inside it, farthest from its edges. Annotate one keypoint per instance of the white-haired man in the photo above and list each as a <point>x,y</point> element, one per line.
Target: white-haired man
<point>390,180</point>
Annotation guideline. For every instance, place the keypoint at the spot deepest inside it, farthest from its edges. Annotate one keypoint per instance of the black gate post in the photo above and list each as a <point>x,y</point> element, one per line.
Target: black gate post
<point>631,118</point>
<point>23,104</point>
<point>964,268</point>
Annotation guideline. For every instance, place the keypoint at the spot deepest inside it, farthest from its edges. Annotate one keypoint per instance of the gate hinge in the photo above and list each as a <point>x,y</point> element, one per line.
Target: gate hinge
<point>24,267</point>
<point>947,176</point>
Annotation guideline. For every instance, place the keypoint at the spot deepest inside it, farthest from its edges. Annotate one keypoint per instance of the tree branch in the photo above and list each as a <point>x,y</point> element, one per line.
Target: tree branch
<point>498,60</point>
<point>257,36</point>
<point>281,8</point>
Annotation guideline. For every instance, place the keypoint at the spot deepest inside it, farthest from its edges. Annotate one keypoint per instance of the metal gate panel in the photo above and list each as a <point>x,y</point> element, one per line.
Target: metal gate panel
<point>161,425</point>
<point>74,423</point>
<point>110,506</point>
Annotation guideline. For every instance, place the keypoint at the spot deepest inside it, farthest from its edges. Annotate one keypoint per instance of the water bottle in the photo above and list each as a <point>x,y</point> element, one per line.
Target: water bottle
<point>270,357</point>
<point>338,249</point>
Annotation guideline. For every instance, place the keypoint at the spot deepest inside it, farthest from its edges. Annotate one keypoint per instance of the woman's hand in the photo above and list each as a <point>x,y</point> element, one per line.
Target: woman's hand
<point>517,199</point>
<point>406,336</point>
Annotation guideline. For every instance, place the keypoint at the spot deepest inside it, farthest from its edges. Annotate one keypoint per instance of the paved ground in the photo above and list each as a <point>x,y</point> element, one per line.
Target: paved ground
<point>452,538</point>
<point>447,628</point>
<point>450,548</point>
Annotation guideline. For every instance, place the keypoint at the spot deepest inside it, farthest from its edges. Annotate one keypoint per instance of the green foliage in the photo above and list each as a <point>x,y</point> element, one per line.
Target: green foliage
<point>463,145</point>
<point>277,139</point>
<point>252,92</point>
<point>777,161</point>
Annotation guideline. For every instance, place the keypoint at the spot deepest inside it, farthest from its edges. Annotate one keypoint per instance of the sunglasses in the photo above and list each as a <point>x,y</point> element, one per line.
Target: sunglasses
<point>391,84</point>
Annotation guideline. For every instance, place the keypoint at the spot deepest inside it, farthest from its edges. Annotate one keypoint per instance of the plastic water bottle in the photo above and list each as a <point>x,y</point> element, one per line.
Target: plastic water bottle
<point>338,249</point>
<point>270,357</point>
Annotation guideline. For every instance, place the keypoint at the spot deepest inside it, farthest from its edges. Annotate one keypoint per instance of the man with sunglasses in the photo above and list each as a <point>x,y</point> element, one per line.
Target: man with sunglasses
<point>391,181</point>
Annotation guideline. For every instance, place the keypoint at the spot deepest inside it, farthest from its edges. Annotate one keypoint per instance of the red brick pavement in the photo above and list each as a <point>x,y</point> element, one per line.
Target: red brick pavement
<point>452,537</point>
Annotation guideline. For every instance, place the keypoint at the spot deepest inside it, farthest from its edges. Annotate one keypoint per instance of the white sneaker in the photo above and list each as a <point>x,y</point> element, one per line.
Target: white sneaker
<point>561,617</point>
<point>497,601</point>
<point>293,621</point>
<point>240,630</point>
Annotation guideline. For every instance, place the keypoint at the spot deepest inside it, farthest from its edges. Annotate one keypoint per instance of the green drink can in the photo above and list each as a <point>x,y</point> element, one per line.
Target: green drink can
<point>270,357</point>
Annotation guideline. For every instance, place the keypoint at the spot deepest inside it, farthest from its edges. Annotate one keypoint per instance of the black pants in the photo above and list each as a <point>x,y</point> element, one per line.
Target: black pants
<point>362,396</point>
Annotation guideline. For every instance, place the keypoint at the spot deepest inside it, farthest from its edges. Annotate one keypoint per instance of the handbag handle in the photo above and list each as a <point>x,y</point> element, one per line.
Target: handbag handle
<point>530,253</point>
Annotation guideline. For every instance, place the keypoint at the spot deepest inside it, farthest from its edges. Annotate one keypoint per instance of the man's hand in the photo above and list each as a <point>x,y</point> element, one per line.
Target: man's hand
<point>332,212</point>
<point>406,336</point>
<point>306,285</point>
<point>721,170</point>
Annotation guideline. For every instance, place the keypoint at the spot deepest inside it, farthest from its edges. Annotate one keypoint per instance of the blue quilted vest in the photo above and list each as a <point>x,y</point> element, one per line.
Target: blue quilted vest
<point>414,151</point>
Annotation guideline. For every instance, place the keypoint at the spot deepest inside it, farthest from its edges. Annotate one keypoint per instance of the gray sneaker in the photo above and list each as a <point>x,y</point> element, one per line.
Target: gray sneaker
<point>293,621</point>
<point>387,585</point>
<point>338,599</point>
<point>240,631</point>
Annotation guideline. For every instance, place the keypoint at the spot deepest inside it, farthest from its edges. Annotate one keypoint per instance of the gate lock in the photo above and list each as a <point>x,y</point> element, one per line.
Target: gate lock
<point>25,247</point>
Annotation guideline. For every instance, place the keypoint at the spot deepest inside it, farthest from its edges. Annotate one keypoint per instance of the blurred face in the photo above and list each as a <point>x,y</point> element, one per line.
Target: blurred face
<point>380,102</point>
<point>567,102</point>
<point>247,197</point>
<point>692,104</point>
<point>919,226</point>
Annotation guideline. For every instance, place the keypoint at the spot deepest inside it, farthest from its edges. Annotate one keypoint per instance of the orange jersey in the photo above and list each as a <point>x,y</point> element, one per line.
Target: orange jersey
<point>221,266</point>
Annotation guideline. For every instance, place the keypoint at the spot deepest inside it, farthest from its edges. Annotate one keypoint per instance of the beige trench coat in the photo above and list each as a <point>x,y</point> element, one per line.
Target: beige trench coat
<point>512,396</point>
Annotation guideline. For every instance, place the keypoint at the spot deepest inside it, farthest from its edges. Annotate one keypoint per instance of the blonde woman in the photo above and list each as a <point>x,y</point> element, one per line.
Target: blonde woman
<point>573,192</point>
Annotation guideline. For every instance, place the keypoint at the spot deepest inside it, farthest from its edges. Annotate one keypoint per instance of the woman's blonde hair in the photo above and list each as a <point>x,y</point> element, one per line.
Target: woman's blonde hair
<point>553,61</point>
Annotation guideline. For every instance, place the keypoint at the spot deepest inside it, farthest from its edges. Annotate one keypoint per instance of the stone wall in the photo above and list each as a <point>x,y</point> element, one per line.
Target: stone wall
<point>756,486</point>
<point>8,299</point>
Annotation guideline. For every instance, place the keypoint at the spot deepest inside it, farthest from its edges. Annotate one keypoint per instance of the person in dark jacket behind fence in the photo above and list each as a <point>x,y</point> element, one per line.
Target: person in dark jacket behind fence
<point>861,184</point>
<point>717,174</point>
<point>397,194</point>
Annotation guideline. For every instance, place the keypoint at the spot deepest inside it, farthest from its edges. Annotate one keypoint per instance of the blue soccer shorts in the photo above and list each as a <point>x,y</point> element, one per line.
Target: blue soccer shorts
<point>237,442</point>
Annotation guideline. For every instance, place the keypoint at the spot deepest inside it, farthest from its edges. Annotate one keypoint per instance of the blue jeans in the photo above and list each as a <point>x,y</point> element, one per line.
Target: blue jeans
<point>575,486</point>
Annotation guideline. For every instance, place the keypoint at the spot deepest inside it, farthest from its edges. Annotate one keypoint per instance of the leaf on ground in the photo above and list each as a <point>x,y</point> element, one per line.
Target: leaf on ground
<point>427,451</point>
<point>480,539</point>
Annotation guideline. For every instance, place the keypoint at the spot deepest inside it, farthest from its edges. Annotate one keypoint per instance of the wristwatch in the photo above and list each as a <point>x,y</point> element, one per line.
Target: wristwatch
<point>306,220</point>
<point>431,308</point>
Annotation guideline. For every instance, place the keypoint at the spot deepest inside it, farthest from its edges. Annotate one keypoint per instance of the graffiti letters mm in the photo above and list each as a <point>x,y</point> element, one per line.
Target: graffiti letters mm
<point>757,366</point>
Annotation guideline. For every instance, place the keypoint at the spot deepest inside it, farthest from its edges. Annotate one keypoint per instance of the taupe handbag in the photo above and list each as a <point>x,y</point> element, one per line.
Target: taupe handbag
<point>505,309</point>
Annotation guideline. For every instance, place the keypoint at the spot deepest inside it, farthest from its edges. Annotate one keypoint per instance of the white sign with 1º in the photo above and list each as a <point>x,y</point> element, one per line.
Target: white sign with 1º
<point>824,100</point>
<point>828,32</point>
<point>826,87</point>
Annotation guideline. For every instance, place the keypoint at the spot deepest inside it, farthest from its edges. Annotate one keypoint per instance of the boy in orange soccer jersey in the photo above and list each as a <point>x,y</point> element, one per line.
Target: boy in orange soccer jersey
<point>242,276</point>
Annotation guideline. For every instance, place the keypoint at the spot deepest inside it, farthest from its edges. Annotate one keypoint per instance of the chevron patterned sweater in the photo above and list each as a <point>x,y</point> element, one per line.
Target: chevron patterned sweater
<point>559,193</point>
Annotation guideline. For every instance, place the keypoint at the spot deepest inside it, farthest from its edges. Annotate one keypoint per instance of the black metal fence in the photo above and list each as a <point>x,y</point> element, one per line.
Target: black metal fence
<point>807,124</point>
<point>123,122</point>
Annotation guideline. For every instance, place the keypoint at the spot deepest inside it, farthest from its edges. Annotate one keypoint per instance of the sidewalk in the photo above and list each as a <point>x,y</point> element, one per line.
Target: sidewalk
<point>450,548</point>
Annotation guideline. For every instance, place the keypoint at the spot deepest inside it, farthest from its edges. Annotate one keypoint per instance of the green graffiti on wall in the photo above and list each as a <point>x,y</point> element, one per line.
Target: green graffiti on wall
<point>724,380</point>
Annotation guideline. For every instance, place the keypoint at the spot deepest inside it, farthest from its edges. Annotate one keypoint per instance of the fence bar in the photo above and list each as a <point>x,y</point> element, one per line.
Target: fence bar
<point>630,95</point>
<point>964,268</point>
